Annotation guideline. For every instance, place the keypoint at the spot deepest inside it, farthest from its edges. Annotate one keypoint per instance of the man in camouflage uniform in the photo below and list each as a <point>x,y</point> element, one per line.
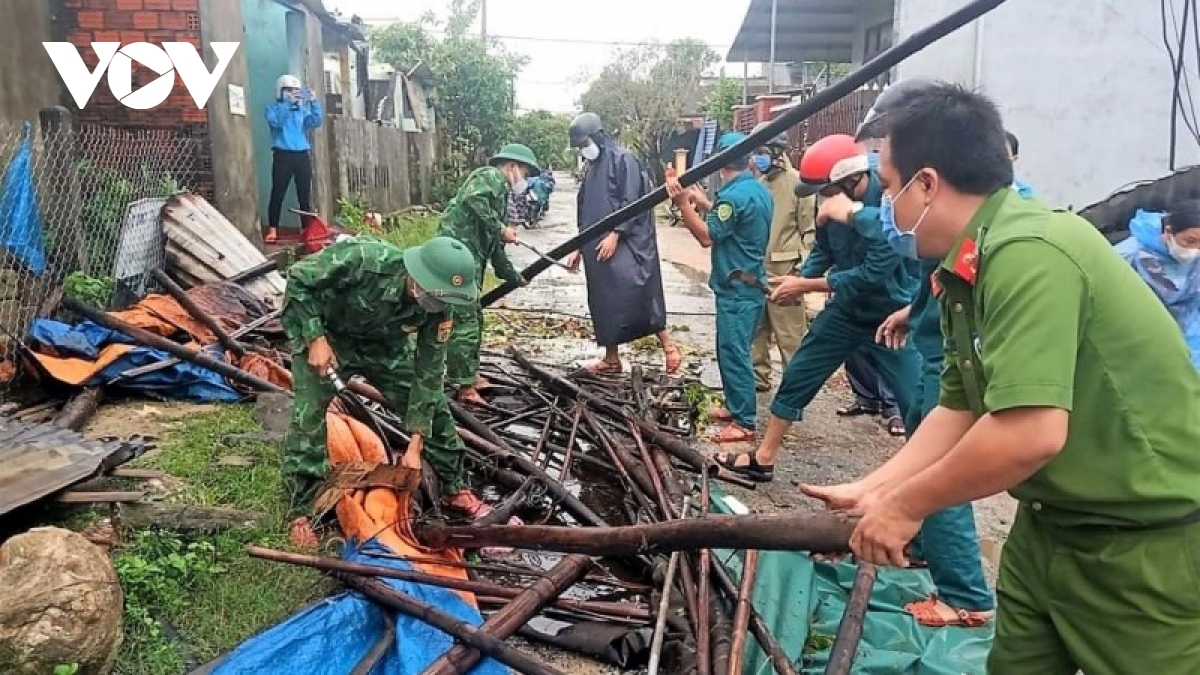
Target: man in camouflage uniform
<point>385,313</point>
<point>476,217</point>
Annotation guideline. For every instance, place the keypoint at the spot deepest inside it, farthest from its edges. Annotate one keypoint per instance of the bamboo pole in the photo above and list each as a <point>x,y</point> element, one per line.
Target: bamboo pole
<point>741,617</point>
<point>382,594</point>
<point>849,633</point>
<point>517,613</point>
<point>758,627</point>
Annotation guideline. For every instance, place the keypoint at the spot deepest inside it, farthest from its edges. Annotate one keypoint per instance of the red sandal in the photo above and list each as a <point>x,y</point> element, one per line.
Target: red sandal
<point>604,367</point>
<point>734,433</point>
<point>926,613</point>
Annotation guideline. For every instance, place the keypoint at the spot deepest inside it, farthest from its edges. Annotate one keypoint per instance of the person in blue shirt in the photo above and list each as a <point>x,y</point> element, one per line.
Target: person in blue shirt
<point>1014,149</point>
<point>868,280</point>
<point>294,113</point>
<point>737,229</point>
<point>1164,249</point>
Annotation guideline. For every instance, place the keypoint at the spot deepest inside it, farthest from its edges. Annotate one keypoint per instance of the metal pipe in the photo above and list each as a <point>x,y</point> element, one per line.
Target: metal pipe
<point>771,67</point>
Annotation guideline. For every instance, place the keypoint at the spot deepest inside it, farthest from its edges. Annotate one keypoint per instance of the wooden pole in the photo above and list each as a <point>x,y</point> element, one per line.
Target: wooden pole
<point>849,633</point>
<point>704,592</point>
<point>758,627</point>
<point>818,532</point>
<point>182,352</point>
<point>517,613</point>
<point>176,291</point>
<point>383,594</point>
<point>76,413</point>
<point>741,617</point>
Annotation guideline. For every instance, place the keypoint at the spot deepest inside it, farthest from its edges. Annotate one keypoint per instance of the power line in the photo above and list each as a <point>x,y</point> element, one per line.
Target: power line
<point>531,38</point>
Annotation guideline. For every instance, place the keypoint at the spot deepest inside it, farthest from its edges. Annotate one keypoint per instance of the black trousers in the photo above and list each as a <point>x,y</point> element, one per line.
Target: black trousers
<point>286,166</point>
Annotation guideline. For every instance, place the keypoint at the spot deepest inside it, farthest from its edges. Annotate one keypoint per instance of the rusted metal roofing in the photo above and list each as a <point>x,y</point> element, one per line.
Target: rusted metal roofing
<point>1112,215</point>
<point>37,460</point>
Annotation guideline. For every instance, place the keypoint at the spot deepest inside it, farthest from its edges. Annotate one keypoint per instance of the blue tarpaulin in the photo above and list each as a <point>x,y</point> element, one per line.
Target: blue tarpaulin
<point>20,220</point>
<point>182,381</point>
<point>331,637</point>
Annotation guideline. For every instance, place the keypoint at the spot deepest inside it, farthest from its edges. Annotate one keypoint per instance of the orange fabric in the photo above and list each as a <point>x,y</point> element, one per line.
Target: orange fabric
<point>162,315</point>
<point>382,513</point>
<point>263,367</point>
<point>76,371</point>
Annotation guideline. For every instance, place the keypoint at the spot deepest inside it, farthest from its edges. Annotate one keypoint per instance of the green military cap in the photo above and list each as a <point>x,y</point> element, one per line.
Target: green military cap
<point>445,269</point>
<point>515,152</point>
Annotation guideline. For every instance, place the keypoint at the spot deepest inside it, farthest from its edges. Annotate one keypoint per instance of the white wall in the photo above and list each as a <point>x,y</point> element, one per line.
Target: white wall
<point>1085,84</point>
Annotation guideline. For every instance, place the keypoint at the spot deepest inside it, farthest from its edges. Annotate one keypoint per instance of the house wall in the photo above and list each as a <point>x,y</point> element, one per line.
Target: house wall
<point>82,22</point>
<point>267,55</point>
<point>25,69</point>
<point>235,182</point>
<point>312,58</point>
<point>1088,92</point>
<point>870,13</point>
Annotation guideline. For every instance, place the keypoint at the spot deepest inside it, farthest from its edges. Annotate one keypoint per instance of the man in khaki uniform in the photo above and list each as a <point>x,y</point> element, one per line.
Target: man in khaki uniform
<point>793,228</point>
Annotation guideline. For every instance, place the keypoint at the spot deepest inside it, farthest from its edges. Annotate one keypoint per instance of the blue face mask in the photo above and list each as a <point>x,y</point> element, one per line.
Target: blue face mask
<point>904,243</point>
<point>762,163</point>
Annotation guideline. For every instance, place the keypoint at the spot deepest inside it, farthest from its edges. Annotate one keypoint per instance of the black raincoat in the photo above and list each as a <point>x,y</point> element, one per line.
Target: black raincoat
<point>625,292</point>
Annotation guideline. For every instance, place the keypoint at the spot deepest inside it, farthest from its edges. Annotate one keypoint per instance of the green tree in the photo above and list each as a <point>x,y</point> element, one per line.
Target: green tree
<point>719,104</point>
<point>642,92</point>
<point>545,133</point>
<point>474,95</point>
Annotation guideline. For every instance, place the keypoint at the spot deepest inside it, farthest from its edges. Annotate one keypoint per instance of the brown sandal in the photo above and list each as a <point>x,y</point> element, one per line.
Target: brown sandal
<point>926,613</point>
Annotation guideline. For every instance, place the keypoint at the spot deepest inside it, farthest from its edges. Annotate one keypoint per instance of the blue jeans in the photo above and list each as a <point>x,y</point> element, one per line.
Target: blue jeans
<point>738,315</point>
<point>870,391</point>
<point>947,540</point>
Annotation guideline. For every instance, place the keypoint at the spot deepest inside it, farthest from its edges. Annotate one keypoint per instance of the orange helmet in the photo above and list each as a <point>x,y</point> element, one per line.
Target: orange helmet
<point>830,160</point>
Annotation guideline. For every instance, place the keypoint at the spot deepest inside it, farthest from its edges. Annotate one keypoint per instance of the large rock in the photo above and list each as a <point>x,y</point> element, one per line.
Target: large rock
<point>60,603</point>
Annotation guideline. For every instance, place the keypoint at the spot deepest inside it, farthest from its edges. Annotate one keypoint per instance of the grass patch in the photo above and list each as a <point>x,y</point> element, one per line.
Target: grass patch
<point>197,599</point>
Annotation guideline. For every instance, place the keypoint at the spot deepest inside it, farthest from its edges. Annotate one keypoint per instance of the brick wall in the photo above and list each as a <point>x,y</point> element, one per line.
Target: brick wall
<point>153,21</point>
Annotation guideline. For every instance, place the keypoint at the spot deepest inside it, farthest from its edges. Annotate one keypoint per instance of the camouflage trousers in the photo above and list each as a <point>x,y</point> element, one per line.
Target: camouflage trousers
<point>305,459</point>
<point>462,353</point>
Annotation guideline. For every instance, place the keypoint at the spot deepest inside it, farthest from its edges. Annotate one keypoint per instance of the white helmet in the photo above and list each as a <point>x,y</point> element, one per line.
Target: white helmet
<point>286,82</point>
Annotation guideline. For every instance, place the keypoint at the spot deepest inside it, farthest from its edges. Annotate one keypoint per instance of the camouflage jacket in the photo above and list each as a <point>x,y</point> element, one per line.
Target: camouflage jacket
<point>476,218</point>
<point>353,293</point>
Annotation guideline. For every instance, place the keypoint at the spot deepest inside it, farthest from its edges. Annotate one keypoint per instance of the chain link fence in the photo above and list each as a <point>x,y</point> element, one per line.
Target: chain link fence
<point>79,213</point>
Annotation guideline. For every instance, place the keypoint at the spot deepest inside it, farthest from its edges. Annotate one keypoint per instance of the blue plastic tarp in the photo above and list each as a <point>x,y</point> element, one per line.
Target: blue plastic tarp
<point>182,381</point>
<point>332,637</point>
<point>20,219</point>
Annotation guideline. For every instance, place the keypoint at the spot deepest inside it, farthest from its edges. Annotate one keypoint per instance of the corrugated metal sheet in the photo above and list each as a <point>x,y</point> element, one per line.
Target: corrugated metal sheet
<point>39,460</point>
<point>1112,215</point>
<point>203,246</point>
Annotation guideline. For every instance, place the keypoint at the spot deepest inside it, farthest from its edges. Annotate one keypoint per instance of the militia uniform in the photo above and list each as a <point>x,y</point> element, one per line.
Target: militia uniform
<point>1101,571</point>
<point>793,229</point>
<point>476,217</point>
<point>355,295</point>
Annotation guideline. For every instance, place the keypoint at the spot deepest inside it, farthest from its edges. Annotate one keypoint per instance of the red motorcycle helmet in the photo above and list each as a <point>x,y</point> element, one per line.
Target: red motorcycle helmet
<point>830,161</point>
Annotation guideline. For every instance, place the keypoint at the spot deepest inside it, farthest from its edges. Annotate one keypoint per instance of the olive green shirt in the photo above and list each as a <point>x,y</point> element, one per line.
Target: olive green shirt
<point>1038,310</point>
<point>793,222</point>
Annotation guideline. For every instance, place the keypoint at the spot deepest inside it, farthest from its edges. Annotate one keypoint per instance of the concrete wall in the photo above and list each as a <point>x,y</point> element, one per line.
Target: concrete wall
<point>870,13</point>
<point>235,183</point>
<point>28,80</point>
<point>313,60</point>
<point>1087,87</point>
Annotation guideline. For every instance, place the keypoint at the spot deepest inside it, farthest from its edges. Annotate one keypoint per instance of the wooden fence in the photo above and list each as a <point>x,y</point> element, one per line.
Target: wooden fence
<point>388,168</point>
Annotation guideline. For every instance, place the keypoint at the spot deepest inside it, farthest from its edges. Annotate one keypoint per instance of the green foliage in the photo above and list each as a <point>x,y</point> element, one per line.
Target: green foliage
<point>94,291</point>
<point>546,134</point>
<point>474,94</point>
<point>110,194</point>
<point>719,104</point>
<point>66,669</point>
<point>212,594</point>
<point>352,214</point>
<point>642,92</point>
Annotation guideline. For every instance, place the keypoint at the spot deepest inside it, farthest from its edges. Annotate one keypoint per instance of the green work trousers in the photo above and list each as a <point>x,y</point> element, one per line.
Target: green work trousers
<point>1105,602</point>
<point>462,353</point>
<point>305,459</point>
<point>832,337</point>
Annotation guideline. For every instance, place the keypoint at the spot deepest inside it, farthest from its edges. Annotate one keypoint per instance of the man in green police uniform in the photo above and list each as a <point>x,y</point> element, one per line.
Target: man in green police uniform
<point>1067,384</point>
<point>737,229</point>
<point>384,313</point>
<point>476,218</point>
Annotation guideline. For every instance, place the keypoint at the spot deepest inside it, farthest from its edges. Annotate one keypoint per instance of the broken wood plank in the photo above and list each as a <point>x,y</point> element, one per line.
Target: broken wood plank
<point>189,305</point>
<point>818,532</point>
<point>142,474</point>
<point>76,413</point>
<point>189,519</point>
<point>79,497</point>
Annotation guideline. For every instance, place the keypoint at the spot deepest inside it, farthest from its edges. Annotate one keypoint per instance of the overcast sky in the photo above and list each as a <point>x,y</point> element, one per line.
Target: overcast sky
<point>572,38</point>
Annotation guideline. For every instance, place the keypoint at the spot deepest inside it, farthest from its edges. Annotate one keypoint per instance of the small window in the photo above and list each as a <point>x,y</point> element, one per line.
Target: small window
<point>878,39</point>
<point>193,22</point>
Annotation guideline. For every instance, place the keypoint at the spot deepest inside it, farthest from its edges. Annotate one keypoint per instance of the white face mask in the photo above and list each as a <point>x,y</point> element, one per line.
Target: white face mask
<point>590,152</point>
<point>519,184</point>
<point>1182,253</point>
